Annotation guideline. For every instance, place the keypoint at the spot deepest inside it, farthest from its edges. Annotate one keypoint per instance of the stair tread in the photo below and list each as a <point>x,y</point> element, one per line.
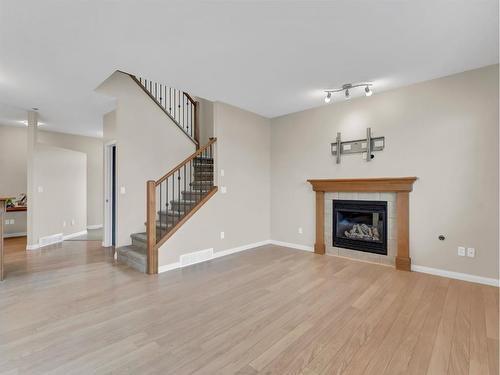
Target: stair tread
<point>172,213</point>
<point>140,236</point>
<point>131,248</point>
<point>184,201</point>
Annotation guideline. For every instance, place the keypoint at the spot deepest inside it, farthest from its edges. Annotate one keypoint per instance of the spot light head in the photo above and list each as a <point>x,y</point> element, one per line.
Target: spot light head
<point>368,91</point>
<point>347,94</point>
<point>328,97</point>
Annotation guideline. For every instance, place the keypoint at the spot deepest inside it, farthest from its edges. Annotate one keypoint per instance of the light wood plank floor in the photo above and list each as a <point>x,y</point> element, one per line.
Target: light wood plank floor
<point>70,309</point>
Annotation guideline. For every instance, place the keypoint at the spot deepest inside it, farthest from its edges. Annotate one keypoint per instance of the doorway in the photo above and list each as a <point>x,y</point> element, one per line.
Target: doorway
<point>110,194</point>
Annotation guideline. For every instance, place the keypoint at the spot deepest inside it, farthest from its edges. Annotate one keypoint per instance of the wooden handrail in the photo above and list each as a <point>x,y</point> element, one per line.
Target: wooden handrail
<point>177,211</point>
<point>190,98</point>
<point>187,160</point>
<point>194,131</point>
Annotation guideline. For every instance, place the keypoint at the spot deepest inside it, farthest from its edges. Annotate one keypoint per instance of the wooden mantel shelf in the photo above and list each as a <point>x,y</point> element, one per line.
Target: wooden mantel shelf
<point>402,186</point>
<point>385,184</point>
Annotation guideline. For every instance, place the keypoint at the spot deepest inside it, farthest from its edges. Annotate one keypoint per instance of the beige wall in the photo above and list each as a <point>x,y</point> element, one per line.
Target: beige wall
<point>93,148</point>
<point>243,213</point>
<point>13,167</point>
<point>61,206</point>
<point>444,131</point>
<point>148,145</point>
<point>13,146</point>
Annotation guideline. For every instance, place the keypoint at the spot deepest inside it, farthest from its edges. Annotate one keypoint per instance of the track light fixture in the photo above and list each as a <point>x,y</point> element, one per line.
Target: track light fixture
<point>347,90</point>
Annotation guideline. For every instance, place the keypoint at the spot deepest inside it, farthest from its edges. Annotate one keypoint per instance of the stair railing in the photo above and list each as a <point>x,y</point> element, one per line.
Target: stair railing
<point>177,104</point>
<point>175,197</point>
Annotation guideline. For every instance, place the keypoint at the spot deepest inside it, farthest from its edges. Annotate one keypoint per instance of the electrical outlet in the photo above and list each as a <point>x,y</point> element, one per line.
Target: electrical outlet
<point>222,172</point>
<point>471,252</point>
<point>72,221</point>
<point>6,221</point>
<point>461,251</point>
<point>300,230</point>
<point>64,223</point>
<point>223,189</point>
<point>12,222</point>
<point>122,190</point>
<point>222,235</point>
<point>40,189</point>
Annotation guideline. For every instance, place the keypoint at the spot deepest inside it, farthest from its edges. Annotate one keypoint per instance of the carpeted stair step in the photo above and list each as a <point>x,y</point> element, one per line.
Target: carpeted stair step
<point>132,256</point>
<point>139,240</point>
<point>194,195</point>
<point>182,205</point>
<point>170,216</point>
<point>203,161</point>
<point>203,176</point>
<point>203,168</point>
<point>202,185</point>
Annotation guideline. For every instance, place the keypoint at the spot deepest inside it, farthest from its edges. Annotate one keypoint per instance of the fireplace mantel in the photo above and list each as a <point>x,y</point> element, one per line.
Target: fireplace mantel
<point>402,186</point>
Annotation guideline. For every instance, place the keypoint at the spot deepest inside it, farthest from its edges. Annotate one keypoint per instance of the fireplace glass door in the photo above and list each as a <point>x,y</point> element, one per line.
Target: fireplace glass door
<point>360,225</point>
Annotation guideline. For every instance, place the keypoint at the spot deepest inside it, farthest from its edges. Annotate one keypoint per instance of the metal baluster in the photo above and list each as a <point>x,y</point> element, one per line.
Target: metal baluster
<point>179,192</point>
<point>173,195</point>
<point>160,215</point>
<point>156,91</point>
<point>166,206</point>
<point>161,99</point>
<point>213,172</point>
<point>170,99</point>
<point>190,180</point>
<point>179,106</point>
<point>184,198</point>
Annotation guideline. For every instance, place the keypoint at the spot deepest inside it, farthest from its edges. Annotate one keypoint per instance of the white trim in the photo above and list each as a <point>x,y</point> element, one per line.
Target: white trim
<point>66,237</point>
<point>219,254</point>
<point>73,235</point>
<point>223,253</point>
<point>96,226</point>
<point>108,196</point>
<point>19,234</point>
<point>292,245</point>
<point>456,275</point>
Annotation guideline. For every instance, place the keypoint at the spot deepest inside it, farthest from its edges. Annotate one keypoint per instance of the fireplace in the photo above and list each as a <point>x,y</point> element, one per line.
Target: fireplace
<point>360,225</point>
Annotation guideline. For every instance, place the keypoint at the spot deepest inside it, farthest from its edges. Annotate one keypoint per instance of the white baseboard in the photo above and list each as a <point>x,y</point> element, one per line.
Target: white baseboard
<point>218,254</point>
<point>456,275</point>
<point>96,226</point>
<point>9,235</point>
<point>73,235</point>
<point>62,238</point>
<point>292,245</point>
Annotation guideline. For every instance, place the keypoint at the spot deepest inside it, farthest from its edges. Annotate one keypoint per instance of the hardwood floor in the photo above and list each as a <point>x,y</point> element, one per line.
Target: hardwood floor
<point>70,309</point>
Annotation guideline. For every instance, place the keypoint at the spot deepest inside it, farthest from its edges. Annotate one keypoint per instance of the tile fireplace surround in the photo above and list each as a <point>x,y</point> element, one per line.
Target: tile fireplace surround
<point>395,191</point>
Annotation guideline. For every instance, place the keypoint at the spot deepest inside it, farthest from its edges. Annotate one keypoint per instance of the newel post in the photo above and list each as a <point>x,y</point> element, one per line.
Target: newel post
<point>152,252</point>
<point>197,124</point>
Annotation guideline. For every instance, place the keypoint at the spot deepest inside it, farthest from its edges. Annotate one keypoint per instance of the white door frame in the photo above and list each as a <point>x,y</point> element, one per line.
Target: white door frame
<point>108,194</point>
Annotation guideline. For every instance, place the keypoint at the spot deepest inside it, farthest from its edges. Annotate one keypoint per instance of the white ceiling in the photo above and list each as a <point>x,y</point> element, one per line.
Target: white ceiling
<point>270,57</point>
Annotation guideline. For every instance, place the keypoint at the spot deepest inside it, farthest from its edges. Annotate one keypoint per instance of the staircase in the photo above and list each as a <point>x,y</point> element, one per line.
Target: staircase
<point>175,197</point>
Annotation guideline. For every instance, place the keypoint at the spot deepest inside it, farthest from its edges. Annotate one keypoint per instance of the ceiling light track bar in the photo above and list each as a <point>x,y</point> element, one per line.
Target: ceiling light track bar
<point>347,87</point>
